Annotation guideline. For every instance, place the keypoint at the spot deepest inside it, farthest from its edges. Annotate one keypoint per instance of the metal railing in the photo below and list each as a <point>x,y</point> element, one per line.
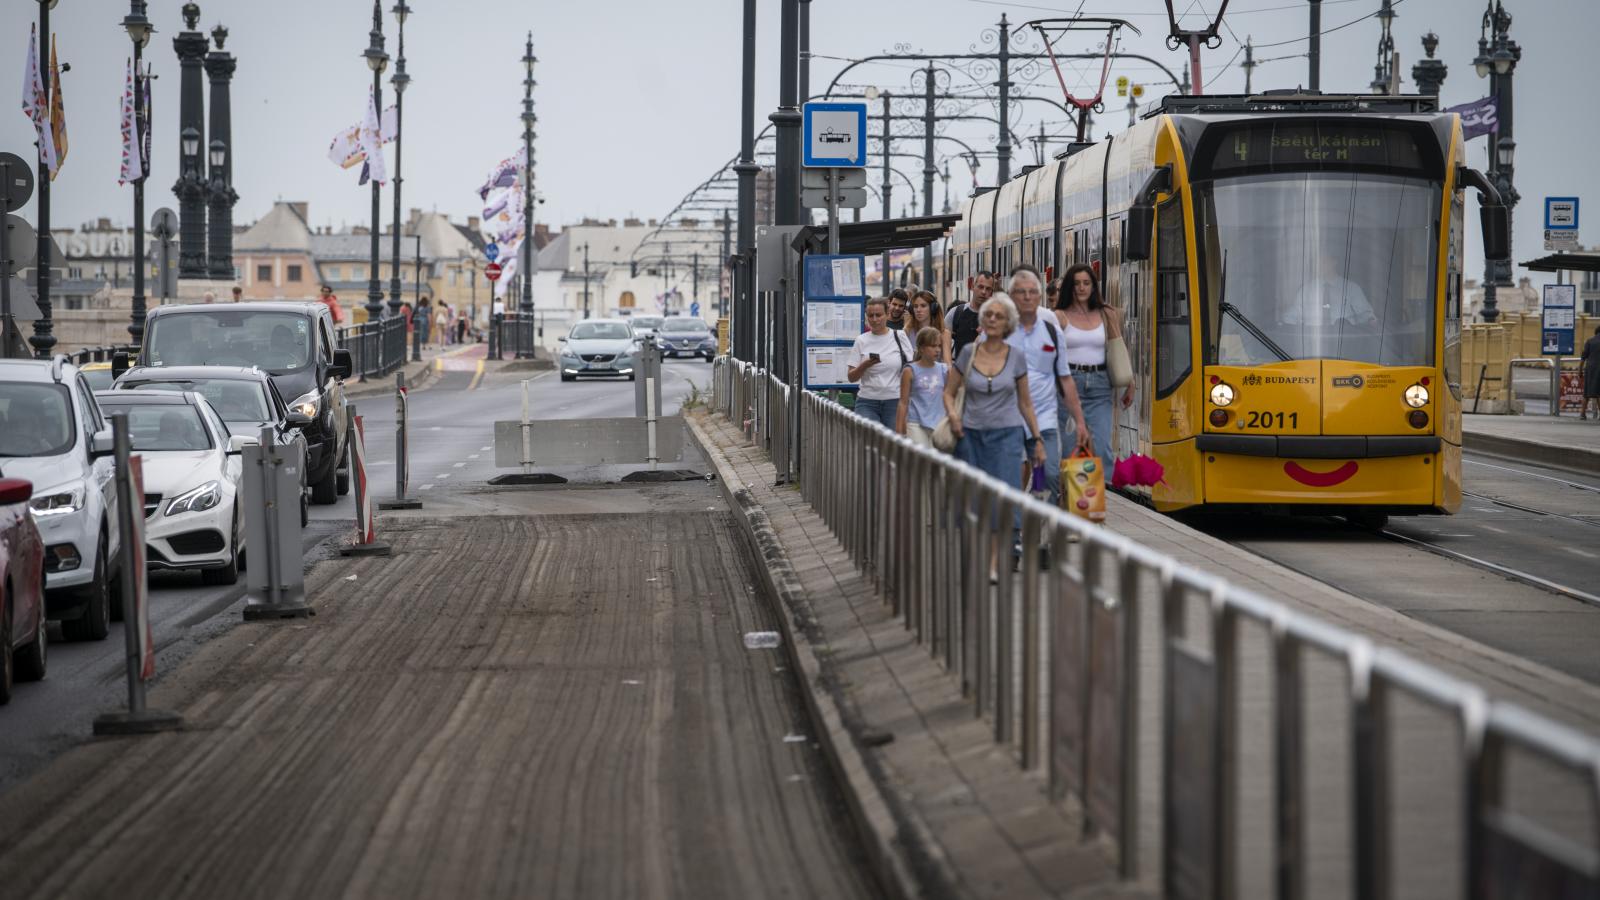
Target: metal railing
<point>1554,364</point>
<point>1054,663</point>
<point>378,348</point>
<point>100,354</point>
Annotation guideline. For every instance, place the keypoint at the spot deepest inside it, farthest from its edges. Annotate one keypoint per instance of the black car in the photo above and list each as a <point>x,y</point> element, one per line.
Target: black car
<point>686,336</point>
<point>291,342</point>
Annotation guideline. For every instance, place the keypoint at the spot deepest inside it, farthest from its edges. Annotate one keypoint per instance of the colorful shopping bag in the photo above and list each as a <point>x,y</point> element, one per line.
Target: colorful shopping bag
<point>1083,486</point>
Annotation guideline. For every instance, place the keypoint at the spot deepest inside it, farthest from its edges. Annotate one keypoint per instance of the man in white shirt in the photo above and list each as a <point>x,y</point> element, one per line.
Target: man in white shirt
<point>1328,297</point>
<point>1040,340</point>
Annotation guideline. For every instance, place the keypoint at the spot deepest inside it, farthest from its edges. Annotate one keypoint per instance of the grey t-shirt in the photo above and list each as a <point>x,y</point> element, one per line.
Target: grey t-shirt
<point>992,402</point>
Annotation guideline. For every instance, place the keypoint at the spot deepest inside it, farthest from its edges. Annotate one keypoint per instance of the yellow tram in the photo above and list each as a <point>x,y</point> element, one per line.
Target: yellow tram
<point>1290,269</point>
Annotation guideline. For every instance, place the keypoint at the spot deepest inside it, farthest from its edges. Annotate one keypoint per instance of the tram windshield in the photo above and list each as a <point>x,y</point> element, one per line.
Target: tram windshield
<point>1319,265</point>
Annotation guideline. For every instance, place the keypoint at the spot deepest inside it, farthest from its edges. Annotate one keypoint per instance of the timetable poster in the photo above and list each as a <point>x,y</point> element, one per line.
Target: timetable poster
<point>828,367</point>
<point>833,321</point>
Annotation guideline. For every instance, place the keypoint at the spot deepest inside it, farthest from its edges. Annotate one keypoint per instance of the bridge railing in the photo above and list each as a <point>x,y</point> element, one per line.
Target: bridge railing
<point>377,347</point>
<point>1055,665</point>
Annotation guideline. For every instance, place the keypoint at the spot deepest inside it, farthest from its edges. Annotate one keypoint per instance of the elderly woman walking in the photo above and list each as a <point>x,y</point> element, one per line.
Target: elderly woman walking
<point>997,417</point>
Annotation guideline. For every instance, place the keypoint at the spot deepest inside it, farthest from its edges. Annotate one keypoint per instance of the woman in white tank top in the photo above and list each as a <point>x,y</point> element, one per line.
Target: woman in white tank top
<point>1086,324</point>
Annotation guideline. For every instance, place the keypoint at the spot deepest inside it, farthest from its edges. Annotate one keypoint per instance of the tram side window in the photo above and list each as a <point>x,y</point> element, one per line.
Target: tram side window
<point>1173,334</point>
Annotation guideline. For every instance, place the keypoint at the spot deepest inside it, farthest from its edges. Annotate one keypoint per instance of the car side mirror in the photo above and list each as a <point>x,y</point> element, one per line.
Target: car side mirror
<point>297,419</point>
<point>562,339</point>
<point>1141,233</point>
<point>237,443</point>
<point>15,490</point>
<point>343,364</point>
<point>119,363</point>
<point>102,444</point>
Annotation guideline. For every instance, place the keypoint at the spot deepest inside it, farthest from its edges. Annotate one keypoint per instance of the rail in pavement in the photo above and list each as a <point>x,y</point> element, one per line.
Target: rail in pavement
<point>1232,743</point>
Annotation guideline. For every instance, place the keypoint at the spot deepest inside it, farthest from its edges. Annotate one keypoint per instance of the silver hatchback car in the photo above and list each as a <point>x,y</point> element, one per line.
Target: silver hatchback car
<point>599,347</point>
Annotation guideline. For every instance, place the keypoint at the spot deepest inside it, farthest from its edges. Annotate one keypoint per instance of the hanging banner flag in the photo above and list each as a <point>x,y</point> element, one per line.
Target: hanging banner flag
<point>58,115</point>
<point>1478,117</point>
<point>146,127</point>
<point>372,145</point>
<point>345,150</point>
<point>34,102</point>
<point>505,174</point>
<point>508,267</point>
<point>132,154</point>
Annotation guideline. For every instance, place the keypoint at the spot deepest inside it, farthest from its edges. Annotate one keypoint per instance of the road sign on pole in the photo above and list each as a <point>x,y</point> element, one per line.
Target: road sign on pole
<point>492,271</point>
<point>1560,223</point>
<point>835,135</point>
<point>491,251</point>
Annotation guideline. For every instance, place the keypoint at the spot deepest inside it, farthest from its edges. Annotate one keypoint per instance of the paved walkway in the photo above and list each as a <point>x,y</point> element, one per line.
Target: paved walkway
<point>520,705</point>
<point>1565,442</point>
<point>981,824</point>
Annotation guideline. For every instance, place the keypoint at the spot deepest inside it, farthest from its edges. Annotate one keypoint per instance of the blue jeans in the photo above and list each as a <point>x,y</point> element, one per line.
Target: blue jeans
<point>880,411</point>
<point>1095,395</point>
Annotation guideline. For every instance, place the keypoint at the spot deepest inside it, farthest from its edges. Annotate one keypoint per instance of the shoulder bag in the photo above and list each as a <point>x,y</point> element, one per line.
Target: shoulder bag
<point>1119,367</point>
<point>944,436</point>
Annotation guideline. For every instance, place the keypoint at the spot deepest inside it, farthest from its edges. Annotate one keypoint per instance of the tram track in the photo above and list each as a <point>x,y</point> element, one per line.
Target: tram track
<point>1514,574</point>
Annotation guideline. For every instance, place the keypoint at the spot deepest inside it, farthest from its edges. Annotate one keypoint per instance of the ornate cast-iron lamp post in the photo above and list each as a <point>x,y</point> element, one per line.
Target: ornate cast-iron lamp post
<point>139,29</point>
<point>377,60</point>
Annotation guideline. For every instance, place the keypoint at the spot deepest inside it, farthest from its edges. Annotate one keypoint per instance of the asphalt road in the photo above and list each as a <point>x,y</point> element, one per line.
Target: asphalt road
<point>451,443</point>
<point>1517,569</point>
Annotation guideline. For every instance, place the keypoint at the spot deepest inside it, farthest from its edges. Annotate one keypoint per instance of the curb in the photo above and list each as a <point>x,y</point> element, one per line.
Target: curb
<point>901,851</point>
<point>1572,459</point>
<point>385,385</point>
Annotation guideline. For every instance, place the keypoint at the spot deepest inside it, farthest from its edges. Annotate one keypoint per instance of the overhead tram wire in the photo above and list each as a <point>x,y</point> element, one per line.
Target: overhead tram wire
<point>1327,31</point>
<point>1157,15</point>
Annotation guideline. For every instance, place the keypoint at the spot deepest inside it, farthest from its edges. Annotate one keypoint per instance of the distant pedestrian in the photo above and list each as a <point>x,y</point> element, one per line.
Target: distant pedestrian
<point>327,299</point>
<point>422,322</point>
<point>875,361</point>
<point>1591,375</point>
<point>238,294</point>
<point>962,321</point>
<point>461,329</point>
<point>208,297</point>
<point>922,389</point>
<point>441,320</point>
<point>925,313</point>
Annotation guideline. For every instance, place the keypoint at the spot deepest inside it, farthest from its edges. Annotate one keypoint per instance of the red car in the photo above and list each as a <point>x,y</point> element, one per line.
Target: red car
<point>23,630</point>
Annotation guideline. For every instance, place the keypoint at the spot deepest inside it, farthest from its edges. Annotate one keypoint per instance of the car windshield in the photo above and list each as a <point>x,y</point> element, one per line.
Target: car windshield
<point>601,331</point>
<point>646,321</point>
<point>154,428</point>
<point>99,379</point>
<point>234,400</point>
<point>683,325</point>
<point>277,342</point>
<point>1320,265</point>
<point>35,419</point>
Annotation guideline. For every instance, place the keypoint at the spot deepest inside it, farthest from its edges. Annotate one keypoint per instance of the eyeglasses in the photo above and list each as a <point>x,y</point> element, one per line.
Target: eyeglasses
<point>997,316</point>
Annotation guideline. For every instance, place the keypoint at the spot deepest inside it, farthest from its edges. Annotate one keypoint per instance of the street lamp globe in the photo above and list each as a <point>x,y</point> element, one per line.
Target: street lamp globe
<point>219,153</point>
<point>1505,152</point>
<point>377,60</point>
<point>872,92</point>
<point>401,10</point>
<point>1503,60</point>
<point>191,141</point>
<point>138,24</point>
<point>400,80</point>
<point>1481,61</point>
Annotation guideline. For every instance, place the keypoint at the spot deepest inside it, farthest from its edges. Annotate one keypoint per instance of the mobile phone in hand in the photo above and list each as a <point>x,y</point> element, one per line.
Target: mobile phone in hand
<point>873,357</point>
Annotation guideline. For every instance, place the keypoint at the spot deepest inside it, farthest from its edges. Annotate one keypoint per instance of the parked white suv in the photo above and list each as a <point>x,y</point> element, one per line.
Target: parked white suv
<point>52,433</point>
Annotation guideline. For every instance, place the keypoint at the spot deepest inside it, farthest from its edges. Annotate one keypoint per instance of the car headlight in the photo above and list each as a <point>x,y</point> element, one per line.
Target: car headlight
<point>1221,393</point>
<point>307,404</point>
<point>199,499</point>
<point>57,502</point>
<point>1416,396</point>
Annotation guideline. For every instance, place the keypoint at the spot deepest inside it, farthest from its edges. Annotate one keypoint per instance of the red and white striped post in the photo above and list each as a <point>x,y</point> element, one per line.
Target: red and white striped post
<point>367,543</point>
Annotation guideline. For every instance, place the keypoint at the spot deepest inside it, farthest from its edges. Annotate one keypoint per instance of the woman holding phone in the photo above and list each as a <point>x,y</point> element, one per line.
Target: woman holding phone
<point>875,363</point>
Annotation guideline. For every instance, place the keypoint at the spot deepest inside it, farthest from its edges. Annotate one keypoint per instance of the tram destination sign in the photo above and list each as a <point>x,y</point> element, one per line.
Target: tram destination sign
<point>1302,144</point>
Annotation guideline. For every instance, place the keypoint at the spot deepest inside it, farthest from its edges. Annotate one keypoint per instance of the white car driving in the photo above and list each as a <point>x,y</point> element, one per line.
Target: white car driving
<point>192,470</point>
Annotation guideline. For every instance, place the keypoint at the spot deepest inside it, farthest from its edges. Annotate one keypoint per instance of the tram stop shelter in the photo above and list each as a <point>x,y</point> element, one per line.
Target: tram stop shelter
<point>1565,262</point>
<point>879,236</point>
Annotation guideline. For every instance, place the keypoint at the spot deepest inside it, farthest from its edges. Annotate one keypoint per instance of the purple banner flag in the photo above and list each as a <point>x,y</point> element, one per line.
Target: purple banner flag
<point>1478,117</point>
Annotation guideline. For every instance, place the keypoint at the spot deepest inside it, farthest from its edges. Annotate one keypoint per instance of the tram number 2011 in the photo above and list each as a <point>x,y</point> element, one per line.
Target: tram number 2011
<point>1271,420</point>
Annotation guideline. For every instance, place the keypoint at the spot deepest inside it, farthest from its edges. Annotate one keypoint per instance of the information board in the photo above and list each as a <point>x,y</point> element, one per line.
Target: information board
<point>834,289</point>
<point>1558,330</point>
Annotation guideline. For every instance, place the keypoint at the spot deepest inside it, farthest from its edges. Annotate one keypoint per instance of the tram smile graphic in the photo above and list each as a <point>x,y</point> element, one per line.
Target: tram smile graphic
<point>1320,479</point>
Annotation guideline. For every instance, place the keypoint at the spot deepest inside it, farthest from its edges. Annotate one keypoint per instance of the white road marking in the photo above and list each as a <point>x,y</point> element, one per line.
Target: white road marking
<point>1493,529</point>
<point>436,428</point>
<point>427,487</point>
<point>473,456</point>
<point>461,465</point>
<point>1583,553</point>
<point>485,449</point>
<point>442,475</point>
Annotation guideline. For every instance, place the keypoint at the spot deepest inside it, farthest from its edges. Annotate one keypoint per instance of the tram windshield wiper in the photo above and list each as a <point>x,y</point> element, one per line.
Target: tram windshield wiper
<point>1243,320</point>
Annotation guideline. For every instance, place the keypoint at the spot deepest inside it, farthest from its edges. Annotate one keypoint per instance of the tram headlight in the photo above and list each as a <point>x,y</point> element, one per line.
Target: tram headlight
<point>1416,396</point>
<point>1221,393</point>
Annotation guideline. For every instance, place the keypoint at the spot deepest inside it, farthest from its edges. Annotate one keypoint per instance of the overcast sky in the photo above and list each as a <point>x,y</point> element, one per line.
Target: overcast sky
<point>638,101</point>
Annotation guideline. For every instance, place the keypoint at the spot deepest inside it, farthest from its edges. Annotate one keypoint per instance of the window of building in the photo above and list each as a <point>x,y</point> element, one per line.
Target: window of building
<point>358,274</point>
<point>453,274</point>
<point>264,273</point>
<point>333,273</point>
<point>74,271</point>
<point>294,273</point>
